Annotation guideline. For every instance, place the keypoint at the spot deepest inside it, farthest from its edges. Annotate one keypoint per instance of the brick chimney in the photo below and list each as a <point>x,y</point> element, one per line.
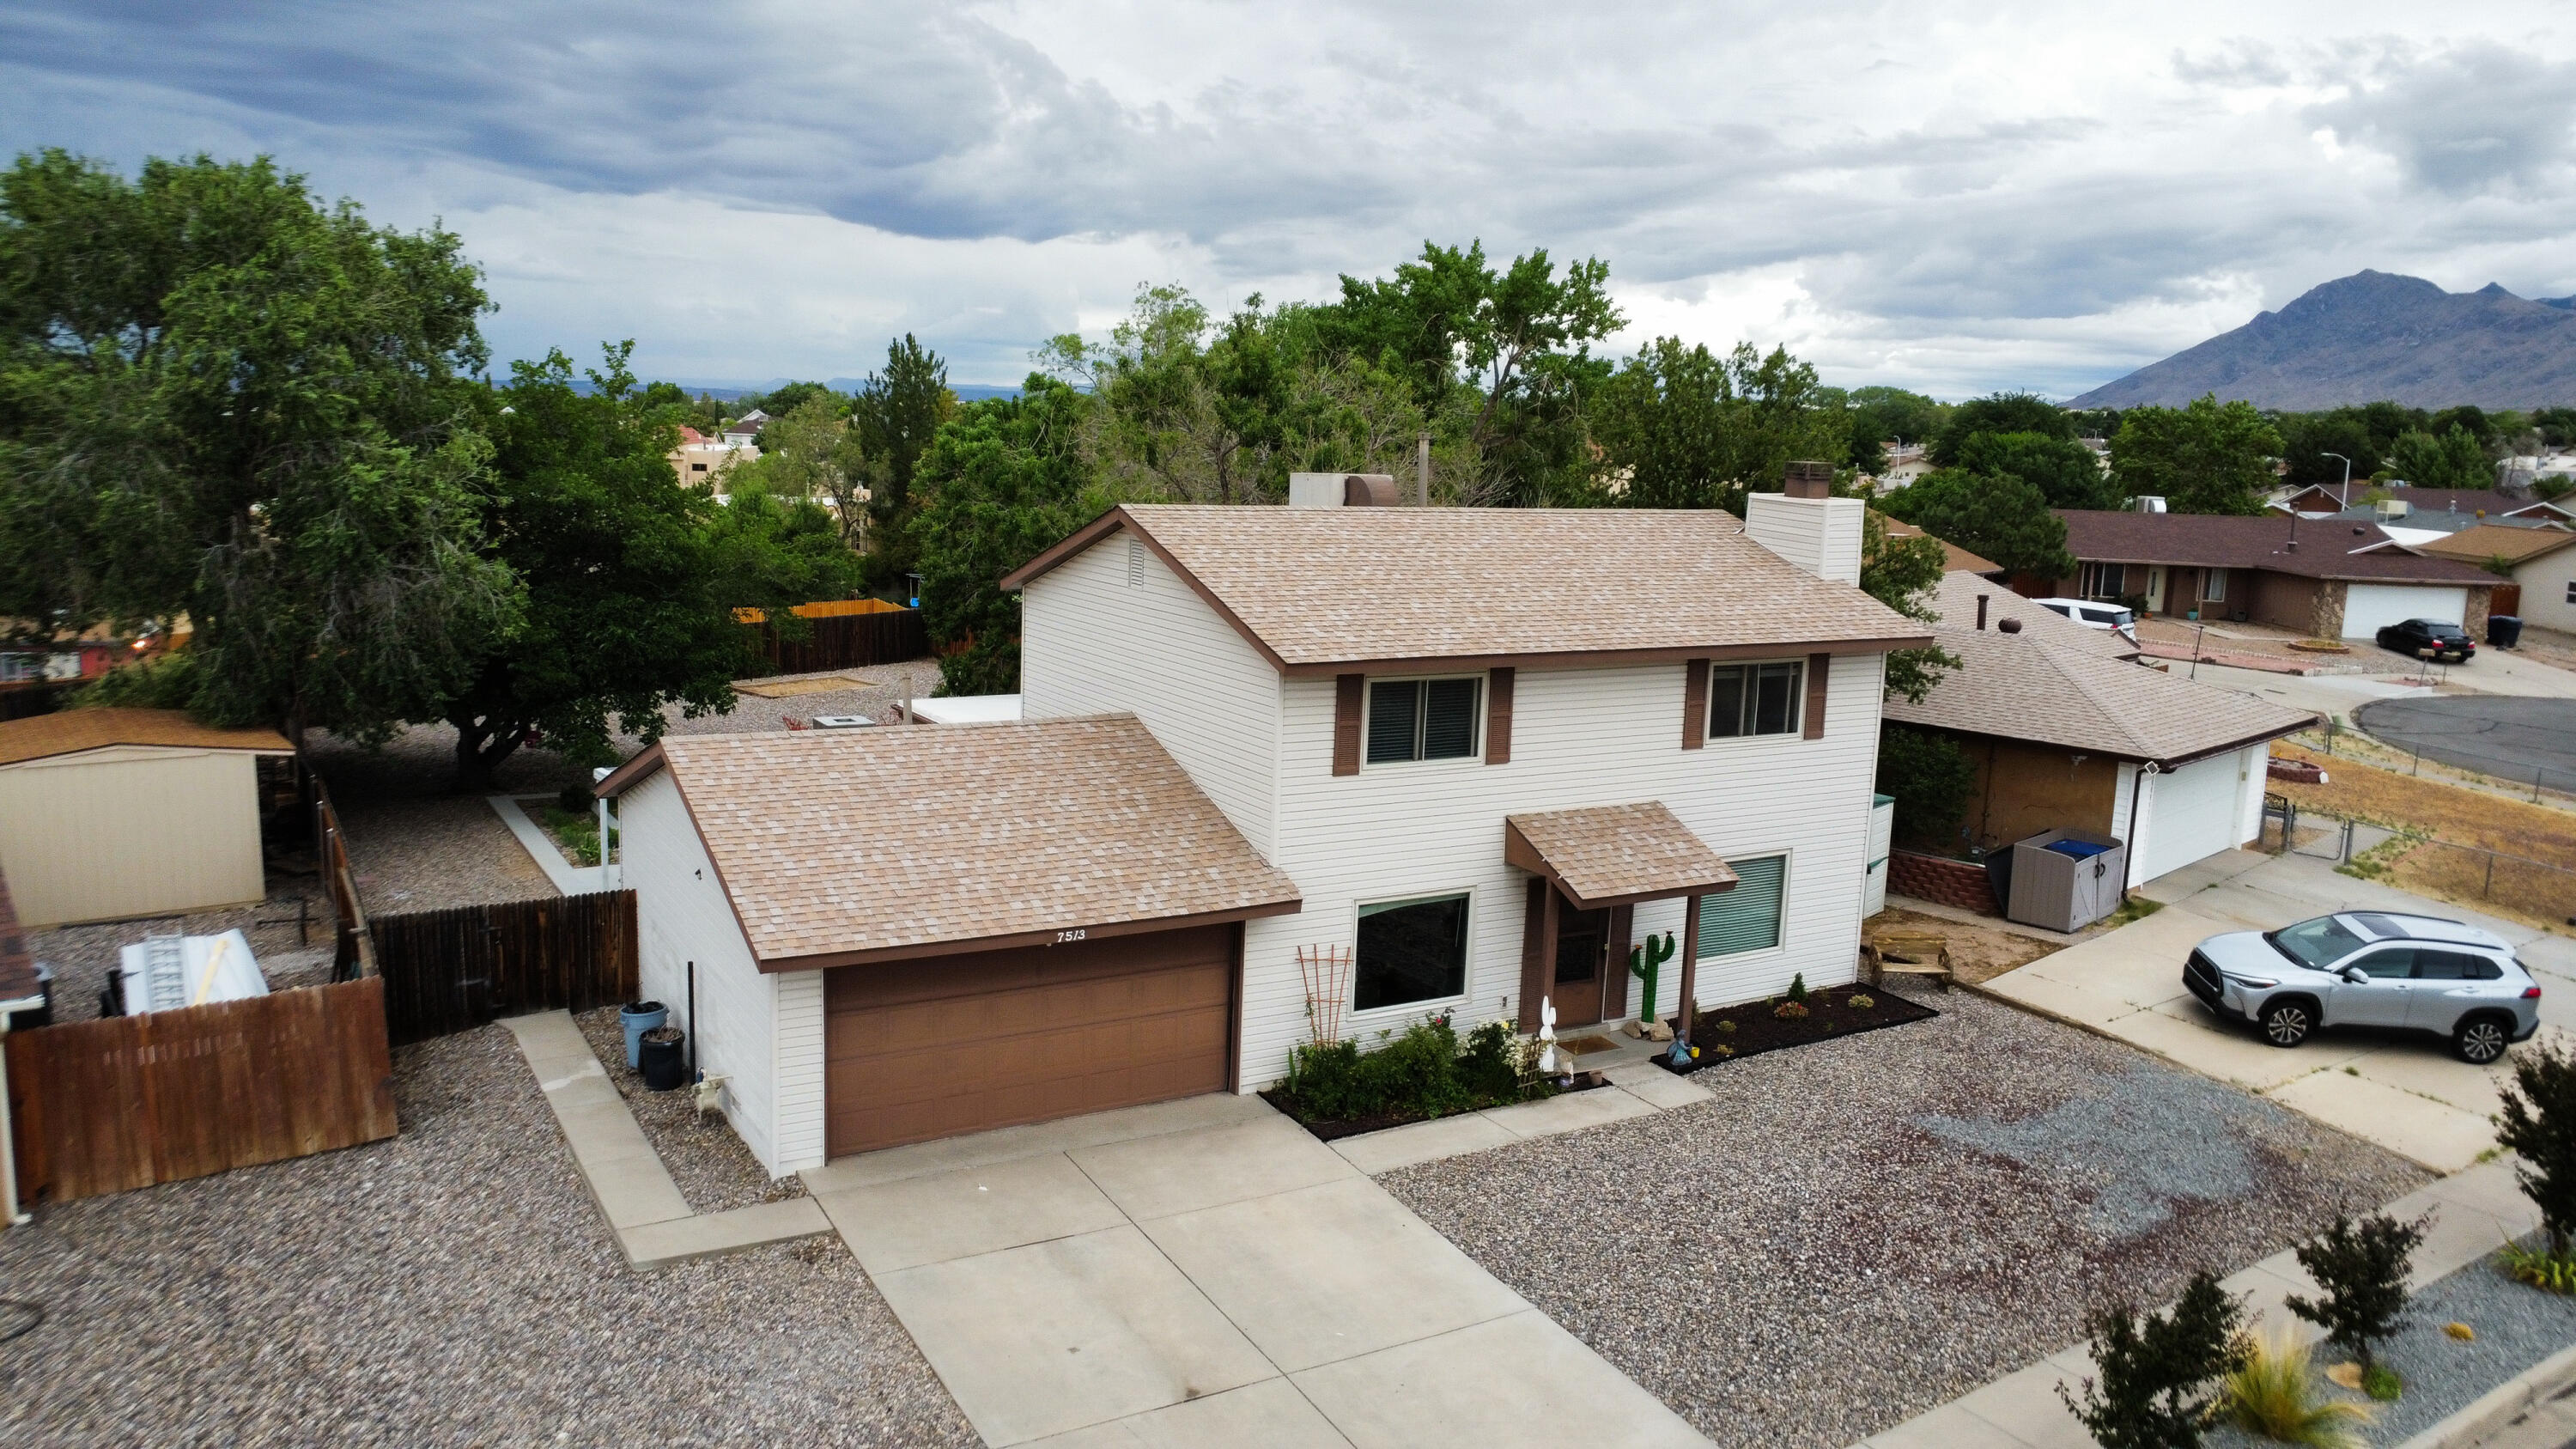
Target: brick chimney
<point>1806,526</point>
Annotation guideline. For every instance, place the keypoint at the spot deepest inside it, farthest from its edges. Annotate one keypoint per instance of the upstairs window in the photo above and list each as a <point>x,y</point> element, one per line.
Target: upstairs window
<point>1422,719</point>
<point>1754,699</point>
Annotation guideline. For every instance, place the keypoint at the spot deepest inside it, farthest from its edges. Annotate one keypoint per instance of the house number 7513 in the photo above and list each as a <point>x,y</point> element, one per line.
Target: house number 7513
<point>1061,937</point>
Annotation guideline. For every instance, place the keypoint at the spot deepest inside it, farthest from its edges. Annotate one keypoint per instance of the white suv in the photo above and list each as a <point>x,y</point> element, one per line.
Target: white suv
<point>2371,968</point>
<point>2093,614</point>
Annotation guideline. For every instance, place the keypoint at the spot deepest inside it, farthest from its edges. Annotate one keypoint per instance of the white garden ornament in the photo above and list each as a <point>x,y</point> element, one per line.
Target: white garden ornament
<point>1546,1036</point>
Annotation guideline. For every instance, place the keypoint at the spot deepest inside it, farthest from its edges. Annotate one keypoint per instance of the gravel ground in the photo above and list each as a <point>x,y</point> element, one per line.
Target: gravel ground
<point>715,1171</point>
<point>2516,1326</point>
<point>82,956</point>
<point>1952,1196</point>
<point>452,1286</point>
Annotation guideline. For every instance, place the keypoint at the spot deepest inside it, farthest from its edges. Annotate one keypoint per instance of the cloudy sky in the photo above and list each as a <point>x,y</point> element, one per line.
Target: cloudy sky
<point>1952,197</point>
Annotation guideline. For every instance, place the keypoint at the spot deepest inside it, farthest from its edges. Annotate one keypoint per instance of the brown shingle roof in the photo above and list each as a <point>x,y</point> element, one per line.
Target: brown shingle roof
<point>2054,683</point>
<point>69,731</point>
<point>1956,559</point>
<point>917,841</point>
<point>2212,540</point>
<point>1611,854</point>
<point>1313,588</point>
<point>2497,540</point>
<point>17,966</point>
<point>1956,602</point>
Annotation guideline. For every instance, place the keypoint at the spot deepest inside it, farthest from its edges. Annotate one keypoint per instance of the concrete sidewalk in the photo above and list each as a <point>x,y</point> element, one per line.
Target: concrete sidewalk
<point>2473,1212</point>
<point>1206,1272</point>
<point>572,880</point>
<point>2404,1093</point>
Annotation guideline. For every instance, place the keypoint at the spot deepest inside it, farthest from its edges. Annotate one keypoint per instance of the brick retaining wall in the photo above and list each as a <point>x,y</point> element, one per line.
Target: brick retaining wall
<point>1932,878</point>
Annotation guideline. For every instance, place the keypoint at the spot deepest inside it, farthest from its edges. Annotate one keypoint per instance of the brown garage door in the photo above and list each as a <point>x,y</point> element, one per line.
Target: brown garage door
<point>951,1044</point>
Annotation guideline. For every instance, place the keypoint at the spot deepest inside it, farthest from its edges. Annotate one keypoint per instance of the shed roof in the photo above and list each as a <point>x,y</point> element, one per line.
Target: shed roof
<point>2051,684</point>
<point>841,846</point>
<point>1607,855</point>
<point>1316,589</point>
<point>2504,541</point>
<point>70,731</point>
<point>2327,548</point>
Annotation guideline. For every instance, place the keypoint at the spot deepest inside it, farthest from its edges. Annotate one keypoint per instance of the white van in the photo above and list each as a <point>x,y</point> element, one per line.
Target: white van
<point>2093,614</point>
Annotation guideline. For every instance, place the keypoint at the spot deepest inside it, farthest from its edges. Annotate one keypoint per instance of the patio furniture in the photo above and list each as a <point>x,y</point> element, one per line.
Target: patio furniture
<point>1906,953</point>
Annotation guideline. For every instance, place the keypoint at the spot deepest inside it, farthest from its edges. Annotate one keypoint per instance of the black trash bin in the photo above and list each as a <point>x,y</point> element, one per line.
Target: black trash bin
<point>36,1016</point>
<point>2504,630</point>
<point>662,1067</point>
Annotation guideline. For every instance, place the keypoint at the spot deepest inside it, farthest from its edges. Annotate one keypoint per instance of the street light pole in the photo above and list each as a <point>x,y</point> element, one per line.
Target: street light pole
<point>2345,496</point>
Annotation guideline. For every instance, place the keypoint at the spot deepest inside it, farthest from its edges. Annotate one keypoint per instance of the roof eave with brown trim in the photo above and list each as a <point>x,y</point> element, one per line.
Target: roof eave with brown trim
<point>922,950</point>
<point>1599,658</point>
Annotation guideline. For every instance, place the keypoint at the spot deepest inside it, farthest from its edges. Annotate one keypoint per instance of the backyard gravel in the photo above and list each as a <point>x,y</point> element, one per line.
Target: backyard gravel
<point>82,956</point>
<point>452,1286</point>
<point>712,1167</point>
<point>1854,1232</point>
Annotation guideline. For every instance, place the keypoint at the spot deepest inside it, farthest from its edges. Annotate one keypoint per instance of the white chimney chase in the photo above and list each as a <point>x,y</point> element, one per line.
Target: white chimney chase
<point>1804,525</point>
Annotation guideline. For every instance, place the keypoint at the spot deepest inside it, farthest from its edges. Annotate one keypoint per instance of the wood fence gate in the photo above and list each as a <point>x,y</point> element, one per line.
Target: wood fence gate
<point>847,641</point>
<point>128,1101</point>
<point>453,970</point>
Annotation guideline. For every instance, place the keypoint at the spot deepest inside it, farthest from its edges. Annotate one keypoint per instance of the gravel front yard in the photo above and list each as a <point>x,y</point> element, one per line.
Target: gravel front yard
<point>452,1286</point>
<point>1853,1232</point>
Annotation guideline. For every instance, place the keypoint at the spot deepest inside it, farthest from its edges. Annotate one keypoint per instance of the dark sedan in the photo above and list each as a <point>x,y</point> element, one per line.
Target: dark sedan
<point>2429,639</point>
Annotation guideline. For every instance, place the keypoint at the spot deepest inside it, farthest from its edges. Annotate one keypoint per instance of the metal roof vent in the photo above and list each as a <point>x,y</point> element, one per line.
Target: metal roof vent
<point>1368,490</point>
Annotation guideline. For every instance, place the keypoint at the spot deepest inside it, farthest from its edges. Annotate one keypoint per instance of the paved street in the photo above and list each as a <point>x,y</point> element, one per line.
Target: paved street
<point>2511,736</point>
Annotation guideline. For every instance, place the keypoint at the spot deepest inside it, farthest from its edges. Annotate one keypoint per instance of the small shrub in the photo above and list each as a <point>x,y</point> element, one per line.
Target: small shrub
<point>1798,988</point>
<point>2159,1371</point>
<point>2538,1124</point>
<point>1860,1001</point>
<point>1421,1072</point>
<point>1726,1028</point>
<point>2269,1393</point>
<point>2362,1268</point>
<point>2382,1383</point>
<point>2539,1267</point>
<point>1789,1010</point>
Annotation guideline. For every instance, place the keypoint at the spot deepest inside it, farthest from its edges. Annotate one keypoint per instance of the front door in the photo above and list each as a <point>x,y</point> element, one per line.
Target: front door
<point>2156,588</point>
<point>1582,943</point>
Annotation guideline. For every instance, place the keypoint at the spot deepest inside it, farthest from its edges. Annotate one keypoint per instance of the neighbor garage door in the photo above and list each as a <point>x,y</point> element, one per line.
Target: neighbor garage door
<point>2369,608</point>
<point>950,1044</point>
<point>2193,813</point>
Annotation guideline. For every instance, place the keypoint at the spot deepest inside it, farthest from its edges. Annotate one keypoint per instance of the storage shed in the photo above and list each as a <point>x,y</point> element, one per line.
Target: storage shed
<point>108,814</point>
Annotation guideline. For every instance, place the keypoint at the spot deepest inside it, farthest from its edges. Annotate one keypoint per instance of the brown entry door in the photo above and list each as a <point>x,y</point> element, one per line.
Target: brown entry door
<point>953,1044</point>
<point>1582,944</point>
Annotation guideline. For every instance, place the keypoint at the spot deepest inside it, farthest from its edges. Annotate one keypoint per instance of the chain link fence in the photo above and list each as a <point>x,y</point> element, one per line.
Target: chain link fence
<point>2420,862</point>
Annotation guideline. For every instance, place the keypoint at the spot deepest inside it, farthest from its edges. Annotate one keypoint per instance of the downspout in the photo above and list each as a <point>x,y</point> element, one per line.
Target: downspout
<point>2137,784</point>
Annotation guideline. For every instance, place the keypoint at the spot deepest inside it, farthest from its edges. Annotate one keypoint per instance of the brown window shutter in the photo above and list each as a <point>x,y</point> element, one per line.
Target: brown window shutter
<point>1346,723</point>
<point>1498,715</point>
<point>1820,668</point>
<point>1694,704</point>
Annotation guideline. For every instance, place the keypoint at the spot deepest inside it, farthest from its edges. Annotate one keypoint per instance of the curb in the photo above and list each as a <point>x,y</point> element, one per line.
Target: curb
<point>2498,1407</point>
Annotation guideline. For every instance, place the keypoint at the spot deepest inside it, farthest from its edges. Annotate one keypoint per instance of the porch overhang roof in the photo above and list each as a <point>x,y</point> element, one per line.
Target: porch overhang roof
<point>1614,855</point>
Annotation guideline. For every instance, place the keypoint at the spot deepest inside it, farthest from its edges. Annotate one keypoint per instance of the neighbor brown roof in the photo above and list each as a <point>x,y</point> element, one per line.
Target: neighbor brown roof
<point>2210,540</point>
<point>838,846</point>
<point>70,731</point>
<point>1955,602</point>
<point>17,966</point>
<point>2051,685</point>
<point>1607,855</point>
<point>1955,559</point>
<point>1315,589</point>
<point>2500,540</point>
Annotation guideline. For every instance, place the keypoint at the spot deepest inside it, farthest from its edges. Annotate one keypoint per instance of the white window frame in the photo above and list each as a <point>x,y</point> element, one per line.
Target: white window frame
<point>2209,595</point>
<point>1797,701</point>
<point>1788,876</point>
<point>1430,1005</point>
<point>1475,723</point>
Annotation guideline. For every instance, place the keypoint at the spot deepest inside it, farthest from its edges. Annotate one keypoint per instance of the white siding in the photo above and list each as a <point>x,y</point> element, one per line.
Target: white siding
<point>2194,812</point>
<point>799,1044</point>
<point>2549,590</point>
<point>1820,535</point>
<point>2369,608</point>
<point>1092,642</point>
<point>1579,737</point>
<point>682,916</point>
<point>128,831</point>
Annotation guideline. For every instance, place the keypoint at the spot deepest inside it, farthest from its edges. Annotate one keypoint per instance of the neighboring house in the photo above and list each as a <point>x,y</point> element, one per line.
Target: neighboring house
<point>701,462</point>
<point>2473,504</point>
<point>2069,732</point>
<point>2325,578</point>
<point>2412,525</point>
<point>1905,464</point>
<point>1955,559</point>
<point>2543,564</point>
<point>118,813</point>
<point>745,430</point>
<point>1469,754</point>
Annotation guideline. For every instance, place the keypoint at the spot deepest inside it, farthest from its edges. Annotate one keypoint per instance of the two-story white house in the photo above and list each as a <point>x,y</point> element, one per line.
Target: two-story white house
<point>1438,760</point>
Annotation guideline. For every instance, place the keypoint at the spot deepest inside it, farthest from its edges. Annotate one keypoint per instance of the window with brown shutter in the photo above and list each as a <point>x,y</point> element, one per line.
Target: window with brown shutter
<point>1694,704</point>
<point>1498,715</point>
<point>1347,689</point>
<point>1819,670</point>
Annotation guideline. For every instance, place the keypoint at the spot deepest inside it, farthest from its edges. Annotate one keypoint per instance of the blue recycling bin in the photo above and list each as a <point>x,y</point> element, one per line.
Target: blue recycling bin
<point>639,1017</point>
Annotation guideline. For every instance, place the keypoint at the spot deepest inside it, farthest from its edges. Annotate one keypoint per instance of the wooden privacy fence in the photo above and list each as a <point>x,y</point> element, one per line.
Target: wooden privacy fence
<point>128,1101</point>
<point>355,955</point>
<point>453,970</point>
<point>847,641</point>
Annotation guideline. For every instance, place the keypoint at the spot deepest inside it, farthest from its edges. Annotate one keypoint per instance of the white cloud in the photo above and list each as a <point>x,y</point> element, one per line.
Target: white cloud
<point>1955,197</point>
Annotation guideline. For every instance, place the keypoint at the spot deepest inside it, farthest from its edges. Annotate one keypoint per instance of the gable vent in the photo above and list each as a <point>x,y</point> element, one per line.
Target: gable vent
<point>1135,563</point>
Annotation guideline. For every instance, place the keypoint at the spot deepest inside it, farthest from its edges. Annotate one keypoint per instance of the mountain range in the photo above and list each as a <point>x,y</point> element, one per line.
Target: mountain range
<point>2374,336</point>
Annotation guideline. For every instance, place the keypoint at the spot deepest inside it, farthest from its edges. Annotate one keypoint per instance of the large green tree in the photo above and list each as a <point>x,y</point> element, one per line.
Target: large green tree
<point>2003,412</point>
<point>896,414</point>
<point>1996,515</point>
<point>2452,458</point>
<point>2067,473</point>
<point>632,579</point>
<point>813,452</point>
<point>1680,427</point>
<point>1903,574</point>
<point>223,397</point>
<point>2209,457</point>
<point>1881,415</point>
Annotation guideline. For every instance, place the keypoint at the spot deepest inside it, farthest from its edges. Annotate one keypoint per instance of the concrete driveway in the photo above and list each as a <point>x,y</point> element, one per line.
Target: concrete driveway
<point>1206,1272</point>
<point>2407,1094</point>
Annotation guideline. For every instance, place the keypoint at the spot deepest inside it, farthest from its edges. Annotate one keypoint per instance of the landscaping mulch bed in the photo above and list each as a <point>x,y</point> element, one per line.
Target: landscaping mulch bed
<point>1736,1032</point>
<point>1334,1129</point>
<point>1843,1237</point>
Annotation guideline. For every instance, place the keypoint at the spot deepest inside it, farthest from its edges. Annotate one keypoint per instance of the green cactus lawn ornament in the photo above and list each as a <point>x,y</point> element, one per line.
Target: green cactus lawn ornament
<point>1643,962</point>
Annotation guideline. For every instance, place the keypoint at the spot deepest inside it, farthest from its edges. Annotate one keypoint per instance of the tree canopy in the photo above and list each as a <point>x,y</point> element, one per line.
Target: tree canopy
<point>2002,412</point>
<point>2209,457</point>
<point>896,414</point>
<point>1997,515</point>
<point>2067,473</point>
<point>1681,427</point>
<point>2452,458</point>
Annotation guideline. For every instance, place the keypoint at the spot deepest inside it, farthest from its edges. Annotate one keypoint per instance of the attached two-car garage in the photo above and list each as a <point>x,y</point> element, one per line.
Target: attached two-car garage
<point>947,1044</point>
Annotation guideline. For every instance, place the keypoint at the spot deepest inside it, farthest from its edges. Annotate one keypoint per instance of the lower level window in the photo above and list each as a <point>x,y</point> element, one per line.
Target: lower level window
<point>1746,918</point>
<point>1410,951</point>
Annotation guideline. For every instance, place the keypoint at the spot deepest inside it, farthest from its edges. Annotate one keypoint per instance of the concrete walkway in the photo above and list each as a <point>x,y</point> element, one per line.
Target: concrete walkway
<point>572,880</point>
<point>651,1220</point>
<point>2473,1213</point>
<point>1206,1272</point>
<point>2405,1093</point>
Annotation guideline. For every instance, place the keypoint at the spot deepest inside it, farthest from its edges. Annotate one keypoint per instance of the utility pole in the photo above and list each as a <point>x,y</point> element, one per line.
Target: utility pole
<point>2345,495</point>
<point>1422,471</point>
